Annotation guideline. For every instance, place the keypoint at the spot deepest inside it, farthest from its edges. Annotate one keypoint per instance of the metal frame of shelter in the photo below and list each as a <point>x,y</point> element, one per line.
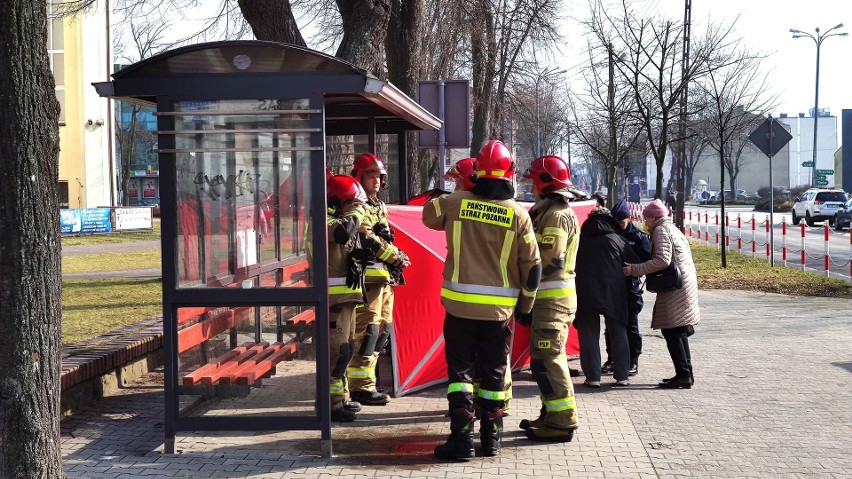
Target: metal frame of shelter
<point>207,104</point>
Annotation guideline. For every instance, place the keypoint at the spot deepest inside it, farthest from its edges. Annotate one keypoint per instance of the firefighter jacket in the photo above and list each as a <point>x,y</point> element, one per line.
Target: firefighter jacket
<point>374,216</point>
<point>557,232</point>
<point>492,265</point>
<point>340,244</point>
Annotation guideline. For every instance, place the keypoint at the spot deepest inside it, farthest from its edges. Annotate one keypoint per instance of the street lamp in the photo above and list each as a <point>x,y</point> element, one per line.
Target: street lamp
<point>542,74</point>
<point>818,39</point>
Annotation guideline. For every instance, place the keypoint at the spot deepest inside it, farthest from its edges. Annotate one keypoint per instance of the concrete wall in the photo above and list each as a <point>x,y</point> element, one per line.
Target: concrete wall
<point>754,169</point>
<point>86,150</point>
<point>802,147</point>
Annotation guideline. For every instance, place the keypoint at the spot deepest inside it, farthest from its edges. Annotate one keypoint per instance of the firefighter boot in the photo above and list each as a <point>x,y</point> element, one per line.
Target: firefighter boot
<point>538,422</point>
<point>460,443</point>
<point>490,431</point>
<point>556,427</point>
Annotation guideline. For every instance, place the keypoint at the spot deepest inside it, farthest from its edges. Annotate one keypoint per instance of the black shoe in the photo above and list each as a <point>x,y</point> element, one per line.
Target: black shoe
<point>574,373</point>
<point>634,368</point>
<point>676,382</point>
<point>342,415</point>
<point>490,433</point>
<point>606,368</point>
<point>353,406</point>
<point>458,446</point>
<point>370,398</point>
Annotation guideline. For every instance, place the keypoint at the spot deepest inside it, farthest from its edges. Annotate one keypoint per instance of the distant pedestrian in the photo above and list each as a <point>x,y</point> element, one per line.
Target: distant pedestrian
<point>675,312</point>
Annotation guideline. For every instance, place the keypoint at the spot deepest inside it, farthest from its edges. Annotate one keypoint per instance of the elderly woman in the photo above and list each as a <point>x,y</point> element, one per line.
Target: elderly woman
<point>675,312</point>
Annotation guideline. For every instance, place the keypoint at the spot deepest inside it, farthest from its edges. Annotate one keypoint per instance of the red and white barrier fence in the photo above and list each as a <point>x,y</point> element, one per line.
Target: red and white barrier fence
<point>697,228</point>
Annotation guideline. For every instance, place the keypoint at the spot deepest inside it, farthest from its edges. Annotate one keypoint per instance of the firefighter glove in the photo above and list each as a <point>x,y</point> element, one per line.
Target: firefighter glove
<point>355,273</point>
<point>524,319</point>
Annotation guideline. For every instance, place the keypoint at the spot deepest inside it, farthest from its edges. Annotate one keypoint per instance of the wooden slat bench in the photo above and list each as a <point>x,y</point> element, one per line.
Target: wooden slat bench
<point>243,365</point>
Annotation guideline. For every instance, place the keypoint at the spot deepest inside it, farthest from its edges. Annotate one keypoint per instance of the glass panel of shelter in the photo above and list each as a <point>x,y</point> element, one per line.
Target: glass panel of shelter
<point>243,192</point>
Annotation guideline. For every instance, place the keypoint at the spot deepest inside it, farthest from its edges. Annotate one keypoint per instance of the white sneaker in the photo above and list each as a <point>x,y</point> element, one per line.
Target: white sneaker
<point>622,382</point>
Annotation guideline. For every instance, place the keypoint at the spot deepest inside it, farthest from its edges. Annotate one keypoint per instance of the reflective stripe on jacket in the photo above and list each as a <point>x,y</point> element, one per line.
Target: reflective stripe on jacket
<point>491,250</point>
<point>558,234</point>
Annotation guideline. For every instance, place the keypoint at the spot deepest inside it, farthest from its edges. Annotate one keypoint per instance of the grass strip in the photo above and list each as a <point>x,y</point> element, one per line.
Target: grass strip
<point>753,274</point>
<point>91,308</point>
<point>108,238</point>
<point>91,263</point>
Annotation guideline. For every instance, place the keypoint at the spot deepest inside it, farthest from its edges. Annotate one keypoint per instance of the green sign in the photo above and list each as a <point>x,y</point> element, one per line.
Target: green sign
<point>819,176</point>
<point>821,182</point>
<point>808,164</point>
<point>825,172</point>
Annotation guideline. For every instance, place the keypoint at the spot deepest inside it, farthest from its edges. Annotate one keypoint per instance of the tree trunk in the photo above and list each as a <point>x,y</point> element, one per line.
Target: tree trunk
<point>129,154</point>
<point>272,20</point>
<point>30,286</point>
<point>404,46</point>
<point>365,26</point>
<point>722,203</point>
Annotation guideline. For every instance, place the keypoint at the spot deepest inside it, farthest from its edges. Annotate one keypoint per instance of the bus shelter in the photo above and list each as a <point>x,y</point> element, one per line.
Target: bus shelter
<point>242,142</point>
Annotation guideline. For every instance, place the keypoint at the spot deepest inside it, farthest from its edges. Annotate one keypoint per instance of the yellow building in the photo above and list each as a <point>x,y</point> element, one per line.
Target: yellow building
<point>80,54</point>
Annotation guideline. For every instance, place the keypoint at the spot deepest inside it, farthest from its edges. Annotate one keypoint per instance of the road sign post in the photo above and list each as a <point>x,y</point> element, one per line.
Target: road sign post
<point>770,137</point>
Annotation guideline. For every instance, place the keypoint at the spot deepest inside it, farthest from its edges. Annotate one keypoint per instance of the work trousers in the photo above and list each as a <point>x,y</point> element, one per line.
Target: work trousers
<point>372,319</point>
<point>341,343</point>
<point>677,340</point>
<point>549,365</point>
<point>588,326</point>
<point>471,346</point>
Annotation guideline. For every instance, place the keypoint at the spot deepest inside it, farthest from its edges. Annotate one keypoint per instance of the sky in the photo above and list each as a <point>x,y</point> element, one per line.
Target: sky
<point>764,25</point>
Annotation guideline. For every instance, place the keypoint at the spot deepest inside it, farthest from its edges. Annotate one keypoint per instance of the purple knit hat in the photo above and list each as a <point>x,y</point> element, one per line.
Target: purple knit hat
<point>655,209</point>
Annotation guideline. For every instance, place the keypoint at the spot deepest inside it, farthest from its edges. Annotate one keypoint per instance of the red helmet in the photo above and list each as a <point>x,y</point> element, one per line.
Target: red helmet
<point>368,162</point>
<point>342,188</point>
<point>549,173</point>
<point>462,173</point>
<point>494,161</point>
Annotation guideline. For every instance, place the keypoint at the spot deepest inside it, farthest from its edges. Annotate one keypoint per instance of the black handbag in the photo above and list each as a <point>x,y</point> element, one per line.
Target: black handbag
<point>666,279</point>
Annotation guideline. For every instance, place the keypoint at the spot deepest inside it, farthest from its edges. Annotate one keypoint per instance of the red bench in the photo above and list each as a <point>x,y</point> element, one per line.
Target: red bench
<point>245,364</point>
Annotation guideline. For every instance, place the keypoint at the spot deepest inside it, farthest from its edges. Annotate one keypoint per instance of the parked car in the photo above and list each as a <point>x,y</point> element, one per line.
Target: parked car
<point>818,204</point>
<point>741,194</point>
<point>843,217</point>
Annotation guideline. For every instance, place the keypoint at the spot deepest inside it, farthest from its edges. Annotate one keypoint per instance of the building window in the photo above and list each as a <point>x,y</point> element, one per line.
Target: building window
<point>56,51</point>
<point>63,194</point>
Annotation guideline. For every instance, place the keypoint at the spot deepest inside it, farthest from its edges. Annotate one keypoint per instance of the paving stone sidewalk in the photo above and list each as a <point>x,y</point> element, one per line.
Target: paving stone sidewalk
<point>773,398</point>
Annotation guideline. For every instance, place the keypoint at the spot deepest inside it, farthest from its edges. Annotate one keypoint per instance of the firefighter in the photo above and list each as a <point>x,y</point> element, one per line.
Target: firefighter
<point>373,319</point>
<point>558,234</point>
<point>345,200</point>
<point>464,177</point>
<point>492,269</point>
<point>462,174</point>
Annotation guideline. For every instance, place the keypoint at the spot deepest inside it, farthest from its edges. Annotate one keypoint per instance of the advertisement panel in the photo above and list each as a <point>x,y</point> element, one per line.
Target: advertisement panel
<point>133,219</point>
<point>85,221</point>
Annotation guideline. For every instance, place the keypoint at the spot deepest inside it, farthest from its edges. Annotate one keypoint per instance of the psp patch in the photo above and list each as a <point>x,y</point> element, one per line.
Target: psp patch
<point>485,212</point>
<point>543,344</point>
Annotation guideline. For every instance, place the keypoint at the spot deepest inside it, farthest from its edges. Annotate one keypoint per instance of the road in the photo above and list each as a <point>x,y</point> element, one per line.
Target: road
<point>839,242</point>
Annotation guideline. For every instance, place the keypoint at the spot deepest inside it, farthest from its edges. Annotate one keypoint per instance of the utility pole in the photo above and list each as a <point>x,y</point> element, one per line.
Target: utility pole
<point>681,185</point>
<point>613,147</point>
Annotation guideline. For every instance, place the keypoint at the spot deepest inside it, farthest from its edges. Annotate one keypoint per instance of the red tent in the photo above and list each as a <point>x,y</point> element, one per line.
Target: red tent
<point>418,340</point>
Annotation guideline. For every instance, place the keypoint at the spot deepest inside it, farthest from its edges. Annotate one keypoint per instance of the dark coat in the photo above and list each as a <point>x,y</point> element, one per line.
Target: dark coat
<point>600,280</point>
<point>641,245</point>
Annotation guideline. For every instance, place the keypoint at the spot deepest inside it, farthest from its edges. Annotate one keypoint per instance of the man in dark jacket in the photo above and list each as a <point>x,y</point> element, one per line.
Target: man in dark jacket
<point>601,291</point>
<point>641,245</point>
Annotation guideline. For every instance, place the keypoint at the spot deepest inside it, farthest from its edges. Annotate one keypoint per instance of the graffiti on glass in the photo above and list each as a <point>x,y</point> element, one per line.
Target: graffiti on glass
<point>232,186</point>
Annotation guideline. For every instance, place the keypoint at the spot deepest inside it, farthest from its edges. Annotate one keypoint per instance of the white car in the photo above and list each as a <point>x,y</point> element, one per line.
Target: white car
<point>818,204</point>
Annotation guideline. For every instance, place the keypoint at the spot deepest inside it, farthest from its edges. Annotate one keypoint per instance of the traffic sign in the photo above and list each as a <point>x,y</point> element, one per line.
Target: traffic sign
<point>819,177</point>
<point>821,182</point>
<point>825,172</point>
<point>770,137</point>
<point>808,164</point>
